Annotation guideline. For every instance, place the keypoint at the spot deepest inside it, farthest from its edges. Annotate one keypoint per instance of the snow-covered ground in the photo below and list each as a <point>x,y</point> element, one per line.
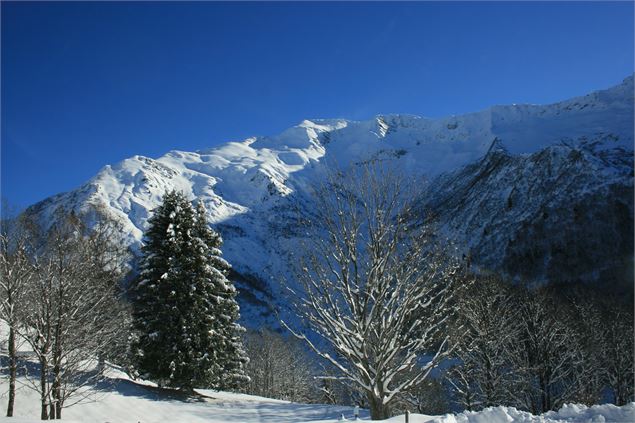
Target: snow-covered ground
<point>570,413</point>
<point>123,400</point>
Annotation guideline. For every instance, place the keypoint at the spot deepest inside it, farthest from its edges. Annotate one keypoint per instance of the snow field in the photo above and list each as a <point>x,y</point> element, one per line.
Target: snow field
<point>122,400</point>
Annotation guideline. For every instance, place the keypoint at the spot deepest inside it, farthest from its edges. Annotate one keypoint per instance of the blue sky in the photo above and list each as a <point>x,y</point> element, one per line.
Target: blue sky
<point>88,84</point>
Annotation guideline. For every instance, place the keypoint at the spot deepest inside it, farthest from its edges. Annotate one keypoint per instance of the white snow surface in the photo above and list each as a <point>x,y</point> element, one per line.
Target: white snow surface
<point>248,185</point>
<point>122,400</point>
<point>570,413</point>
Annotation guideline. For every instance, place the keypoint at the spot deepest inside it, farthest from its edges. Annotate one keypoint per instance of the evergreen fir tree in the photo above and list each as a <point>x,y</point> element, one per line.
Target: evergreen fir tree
<point>185,312</point>
<point>229,354</point>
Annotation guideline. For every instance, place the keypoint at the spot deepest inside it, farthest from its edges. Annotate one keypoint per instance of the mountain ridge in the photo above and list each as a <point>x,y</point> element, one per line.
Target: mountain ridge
<point>249,186</point>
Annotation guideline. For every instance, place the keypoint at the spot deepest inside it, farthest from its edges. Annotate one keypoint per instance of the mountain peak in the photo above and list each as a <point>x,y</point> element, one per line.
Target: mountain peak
<point>250,187</point>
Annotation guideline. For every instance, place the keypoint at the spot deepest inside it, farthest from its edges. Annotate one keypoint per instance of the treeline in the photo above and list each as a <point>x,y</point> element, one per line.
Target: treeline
<point>531,348</point>
<point>60,295</point>
<point>538,348</point>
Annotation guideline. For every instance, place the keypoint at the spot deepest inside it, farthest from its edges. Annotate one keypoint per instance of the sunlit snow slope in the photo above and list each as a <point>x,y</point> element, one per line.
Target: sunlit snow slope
<point>118,399</point>
<point>491,175</point>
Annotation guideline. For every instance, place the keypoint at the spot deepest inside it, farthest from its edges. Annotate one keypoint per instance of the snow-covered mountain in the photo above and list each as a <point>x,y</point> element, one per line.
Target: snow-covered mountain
<point>542,192</point>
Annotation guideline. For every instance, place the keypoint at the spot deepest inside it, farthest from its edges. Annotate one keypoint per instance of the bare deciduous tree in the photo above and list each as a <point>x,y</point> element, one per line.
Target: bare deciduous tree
<point>74,313</point>
<point>279,368</point>
<point>585,318</point>
<point>16,273</point>
<point>37,329</point>
<point>374,290</point>
<point>547,358</point>
<point>484,336</point>
<point>618,354</point>
<point>538,348</point>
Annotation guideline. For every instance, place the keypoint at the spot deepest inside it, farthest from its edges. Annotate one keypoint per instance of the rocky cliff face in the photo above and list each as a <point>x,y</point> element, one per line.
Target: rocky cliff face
<point>563,214</point>
<point>542,193</point>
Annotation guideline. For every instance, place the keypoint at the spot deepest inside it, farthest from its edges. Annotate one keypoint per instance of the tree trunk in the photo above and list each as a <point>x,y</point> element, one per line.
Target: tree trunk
<point>543,394</point>
<point>378,410</point>
<point>51,411</point>
<point>44,414</point>
<point>489,384</point>
<point>56,405</point>
<point>619,396</point>
<point>468,400</point>
<point>56,393</point>
<point>43,370</point>
<point>12,371</point>
<point>101,363</point>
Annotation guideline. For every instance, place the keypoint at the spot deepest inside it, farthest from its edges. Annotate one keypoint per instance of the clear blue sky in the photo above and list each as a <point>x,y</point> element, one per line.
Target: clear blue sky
<point>87,84</point>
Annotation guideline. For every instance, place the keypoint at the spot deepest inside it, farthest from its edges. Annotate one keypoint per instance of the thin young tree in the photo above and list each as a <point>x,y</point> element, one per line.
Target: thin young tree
<point>16,273</point>
<point>374,290</point>
<point>38,329</point>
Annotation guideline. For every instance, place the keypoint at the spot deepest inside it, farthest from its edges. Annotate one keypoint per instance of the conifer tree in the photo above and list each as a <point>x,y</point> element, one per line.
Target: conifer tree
<point>185,313</point>
<point>229,356</point>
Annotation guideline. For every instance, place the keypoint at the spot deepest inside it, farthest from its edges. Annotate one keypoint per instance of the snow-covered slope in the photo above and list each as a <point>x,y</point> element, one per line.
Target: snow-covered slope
<point>580,147</point>
<point>120,400</point>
